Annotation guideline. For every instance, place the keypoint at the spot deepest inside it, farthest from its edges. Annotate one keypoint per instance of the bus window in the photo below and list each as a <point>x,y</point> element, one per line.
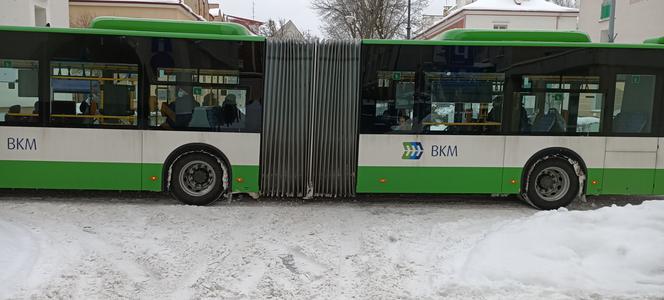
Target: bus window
<point>18,91</point>
<point>393,110</point>
<point>463,102</point>
<point>200,99</point>
<point>633,106</point>
<point>558,104</point>
<point>93,94</point>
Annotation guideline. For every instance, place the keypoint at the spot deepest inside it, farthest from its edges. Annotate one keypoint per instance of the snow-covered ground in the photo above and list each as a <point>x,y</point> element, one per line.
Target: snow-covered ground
<point>115,246</point>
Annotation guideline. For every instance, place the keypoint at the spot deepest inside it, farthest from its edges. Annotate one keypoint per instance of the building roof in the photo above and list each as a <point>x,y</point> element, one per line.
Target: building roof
<point>512,5</point>
<point>289,31</point>
<point>525,7</point>
<point>253,25</point>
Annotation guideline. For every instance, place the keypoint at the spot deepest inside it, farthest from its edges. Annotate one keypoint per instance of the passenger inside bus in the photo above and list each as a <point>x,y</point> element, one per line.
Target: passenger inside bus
<point>229,114</point>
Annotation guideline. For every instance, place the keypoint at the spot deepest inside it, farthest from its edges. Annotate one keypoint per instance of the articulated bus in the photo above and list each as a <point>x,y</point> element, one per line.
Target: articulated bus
<point>206,110</point>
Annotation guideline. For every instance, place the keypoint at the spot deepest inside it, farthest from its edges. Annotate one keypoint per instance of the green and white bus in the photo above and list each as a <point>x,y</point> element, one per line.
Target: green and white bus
<point>205,110</point>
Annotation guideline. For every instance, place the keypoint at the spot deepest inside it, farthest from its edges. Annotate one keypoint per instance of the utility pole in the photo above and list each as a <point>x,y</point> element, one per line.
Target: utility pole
<point>253,9</point>
<point>612,22</point>
<point>408,26</point>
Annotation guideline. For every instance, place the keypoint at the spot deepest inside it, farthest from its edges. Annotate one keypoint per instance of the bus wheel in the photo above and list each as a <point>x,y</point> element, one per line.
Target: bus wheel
<point>197,179</point>
<point>552,183</point>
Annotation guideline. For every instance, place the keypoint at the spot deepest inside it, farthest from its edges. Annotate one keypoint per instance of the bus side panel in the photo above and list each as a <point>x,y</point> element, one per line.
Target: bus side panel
<point>241,149</point>
<point>519,149</point>
<point>630,165</point>
<point>659,171</point>
<point>429,164</point>
<point>69,158</point>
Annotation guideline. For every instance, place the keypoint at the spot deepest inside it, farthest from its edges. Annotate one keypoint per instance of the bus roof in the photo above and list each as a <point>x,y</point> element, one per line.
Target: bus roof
<point>482,37</point>
<point>514,35</point>
<point>153,28</point>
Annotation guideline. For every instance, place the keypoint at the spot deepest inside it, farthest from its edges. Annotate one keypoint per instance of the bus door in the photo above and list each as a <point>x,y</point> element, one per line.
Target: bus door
<point>632,145</point>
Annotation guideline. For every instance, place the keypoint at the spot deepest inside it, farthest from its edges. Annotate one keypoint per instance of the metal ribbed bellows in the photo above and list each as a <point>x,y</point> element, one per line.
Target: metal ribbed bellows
<point>310,121</point>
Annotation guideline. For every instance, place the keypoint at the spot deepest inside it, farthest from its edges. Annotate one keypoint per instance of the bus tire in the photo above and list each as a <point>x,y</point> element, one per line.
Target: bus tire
<point>197,179</point>
<point>552,184</point>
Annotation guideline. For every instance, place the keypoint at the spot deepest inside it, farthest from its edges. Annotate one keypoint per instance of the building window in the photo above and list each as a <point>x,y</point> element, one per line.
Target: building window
<point>606,10</point>
<point>40,16</point>
<point>500,26</point>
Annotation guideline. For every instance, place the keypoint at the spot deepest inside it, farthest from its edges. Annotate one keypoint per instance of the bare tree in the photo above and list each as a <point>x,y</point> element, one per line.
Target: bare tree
<point>566,3</point>
<point>273,29</point>
<point>82,21</point>
<point>381,19</point>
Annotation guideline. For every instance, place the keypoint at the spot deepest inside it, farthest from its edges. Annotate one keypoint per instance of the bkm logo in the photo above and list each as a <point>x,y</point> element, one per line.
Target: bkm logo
<point>412,150</point>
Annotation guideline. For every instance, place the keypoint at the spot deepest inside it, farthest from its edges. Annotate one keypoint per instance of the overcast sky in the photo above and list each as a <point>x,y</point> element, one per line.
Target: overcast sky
<point>297,10</point>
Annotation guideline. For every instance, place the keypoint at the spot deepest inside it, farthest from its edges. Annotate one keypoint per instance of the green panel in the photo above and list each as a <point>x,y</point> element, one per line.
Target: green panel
<point>511,180</point>
<point>659,182</point>
<point>249,179</point>
<point>151,177</point>
<point>70,175</point>
<point>180,26</point>
<point>514,35</point>
<point>428,180</point>
<point>245,178</point>
<point>102,176</point>
<point>594,182</point>
<point>628,181</point>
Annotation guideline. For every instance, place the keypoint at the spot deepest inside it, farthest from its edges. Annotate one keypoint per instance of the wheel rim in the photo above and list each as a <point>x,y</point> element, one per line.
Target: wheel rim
<point>552,184</point>
<point>197,178</point>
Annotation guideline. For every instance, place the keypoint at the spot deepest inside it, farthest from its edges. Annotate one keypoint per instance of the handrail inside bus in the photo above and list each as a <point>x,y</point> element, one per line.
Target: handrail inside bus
<point>514,35</point>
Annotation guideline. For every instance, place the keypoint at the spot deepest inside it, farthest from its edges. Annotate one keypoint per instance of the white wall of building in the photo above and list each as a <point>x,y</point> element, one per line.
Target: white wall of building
<point>34,12</point>
<point>636,20</point>
<point>522,22</point>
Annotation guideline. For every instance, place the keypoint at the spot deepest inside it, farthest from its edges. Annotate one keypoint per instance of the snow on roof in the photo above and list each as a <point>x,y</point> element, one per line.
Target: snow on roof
<point>504,5</point>
<point>511,5</point>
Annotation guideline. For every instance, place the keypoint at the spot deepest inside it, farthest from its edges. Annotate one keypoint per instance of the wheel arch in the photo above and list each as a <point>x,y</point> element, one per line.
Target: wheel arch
<point>554,152</point>
<point>193,148</point>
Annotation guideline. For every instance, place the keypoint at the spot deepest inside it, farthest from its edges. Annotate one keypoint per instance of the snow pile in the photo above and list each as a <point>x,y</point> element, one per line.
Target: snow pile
<point>530,5</point>
<point>17,253</point>
<point>612,250</point>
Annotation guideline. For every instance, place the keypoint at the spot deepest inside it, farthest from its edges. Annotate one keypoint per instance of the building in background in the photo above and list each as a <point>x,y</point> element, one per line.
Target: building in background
<point>34,13</point>
<point>289,32</point>
<point>252,25</point>
<point>82,12</point>
<point>502,14</point>
<point>216,14</point>
<point>636,20</point>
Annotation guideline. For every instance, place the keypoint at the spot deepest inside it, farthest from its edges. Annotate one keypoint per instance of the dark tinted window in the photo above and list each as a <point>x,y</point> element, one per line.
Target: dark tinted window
<point>94,81</point>
<point>633,103</point>
<point>558,104</point>
<point>19,85</point>
<point>204,85</point>
<point>425,89</point>
<point>19,78</point>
